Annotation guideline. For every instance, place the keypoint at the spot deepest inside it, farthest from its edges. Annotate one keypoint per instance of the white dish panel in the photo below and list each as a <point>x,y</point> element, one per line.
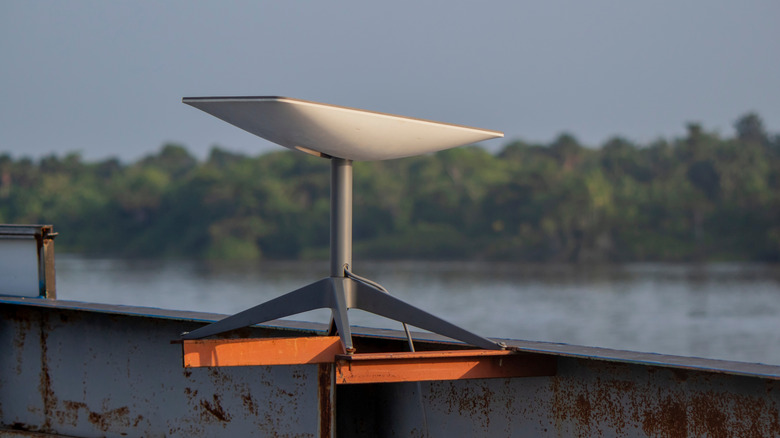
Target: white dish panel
<point>338,131</point>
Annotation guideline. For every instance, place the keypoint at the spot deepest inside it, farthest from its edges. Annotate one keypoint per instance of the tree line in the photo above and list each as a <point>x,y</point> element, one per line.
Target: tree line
<point>701,197</point>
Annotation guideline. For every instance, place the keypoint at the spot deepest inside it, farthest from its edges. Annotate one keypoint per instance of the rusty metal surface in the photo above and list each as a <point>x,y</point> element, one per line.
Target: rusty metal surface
<point>586,399</point>
<point>91,374</point>
<point>82,369</point>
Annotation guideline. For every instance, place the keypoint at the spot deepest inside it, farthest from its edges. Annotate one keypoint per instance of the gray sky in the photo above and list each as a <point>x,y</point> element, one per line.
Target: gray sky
<point>106,78</point>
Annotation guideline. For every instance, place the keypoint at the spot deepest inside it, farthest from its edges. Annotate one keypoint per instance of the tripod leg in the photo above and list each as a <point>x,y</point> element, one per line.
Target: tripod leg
<point>332,329</point>
<point>313,296</point>
<point>380,303</point>
<point>339,312</point>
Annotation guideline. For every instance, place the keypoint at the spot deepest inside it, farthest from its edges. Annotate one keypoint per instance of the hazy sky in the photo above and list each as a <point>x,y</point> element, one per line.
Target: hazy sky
<point>106,78</point>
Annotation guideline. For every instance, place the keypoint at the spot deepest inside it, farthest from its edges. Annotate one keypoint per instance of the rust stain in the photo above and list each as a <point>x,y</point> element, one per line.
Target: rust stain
<point>283,392</point>
<point>114,419</point>
<point>215,409</point>
<point>105,420</point>
<point>759,412</point>
<point>24,325</point>
<point>71,412</point>
<point>325,380</point>
<point>485,402</point>
<point>47,393</point>
<point>23,426</point>
<point>669,420</point>
<point>706,412</point>
<point>583,411</point>
<point>614,401</point>
<point>249,403</point>
<point>467,400</point>
<point>219,378</point>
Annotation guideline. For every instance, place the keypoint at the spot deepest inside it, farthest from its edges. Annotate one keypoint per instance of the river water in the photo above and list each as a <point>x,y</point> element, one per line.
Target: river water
<point>720,311</point>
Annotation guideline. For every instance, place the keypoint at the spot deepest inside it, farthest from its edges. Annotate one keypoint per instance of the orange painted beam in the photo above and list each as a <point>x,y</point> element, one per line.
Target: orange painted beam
<point>366,368</point>
<point>266,351</point>
<point>440,365</point>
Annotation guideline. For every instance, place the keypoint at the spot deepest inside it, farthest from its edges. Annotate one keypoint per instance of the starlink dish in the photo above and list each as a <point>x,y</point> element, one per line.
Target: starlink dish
<point>337,131</point>
<point>341,135</point>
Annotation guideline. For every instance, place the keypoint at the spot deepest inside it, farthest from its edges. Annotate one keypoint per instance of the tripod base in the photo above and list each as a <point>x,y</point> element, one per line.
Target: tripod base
<point>340,294</point>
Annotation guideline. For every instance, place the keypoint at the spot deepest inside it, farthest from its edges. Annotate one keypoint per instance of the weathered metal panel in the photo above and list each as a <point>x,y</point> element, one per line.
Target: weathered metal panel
<point>82,369</point>
<point>91,374</point>
<point>585,399</point>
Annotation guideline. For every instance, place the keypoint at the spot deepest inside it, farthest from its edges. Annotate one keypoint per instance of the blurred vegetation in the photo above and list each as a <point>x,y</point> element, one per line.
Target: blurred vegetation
<point>697,198</point>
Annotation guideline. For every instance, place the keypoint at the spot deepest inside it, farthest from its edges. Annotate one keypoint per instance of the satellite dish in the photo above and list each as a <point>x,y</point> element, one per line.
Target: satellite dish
<point>341,134</point>
<point>337,131</point>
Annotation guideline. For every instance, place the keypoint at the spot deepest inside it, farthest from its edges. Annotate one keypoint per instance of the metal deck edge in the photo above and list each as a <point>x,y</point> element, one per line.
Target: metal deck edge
<point>152,312</point>
<point>718,366</point>
<point>557,349</point>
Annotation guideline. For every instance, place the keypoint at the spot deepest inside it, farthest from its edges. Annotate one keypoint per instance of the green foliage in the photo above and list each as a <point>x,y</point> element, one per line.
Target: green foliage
<point>700,197</point>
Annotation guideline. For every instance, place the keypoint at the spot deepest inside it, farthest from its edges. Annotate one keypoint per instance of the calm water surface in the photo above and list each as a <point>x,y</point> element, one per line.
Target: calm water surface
<point>721,311</point>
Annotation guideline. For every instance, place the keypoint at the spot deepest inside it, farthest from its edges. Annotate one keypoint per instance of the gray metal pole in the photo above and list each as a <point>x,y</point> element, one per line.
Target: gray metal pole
<point>340,216</point>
